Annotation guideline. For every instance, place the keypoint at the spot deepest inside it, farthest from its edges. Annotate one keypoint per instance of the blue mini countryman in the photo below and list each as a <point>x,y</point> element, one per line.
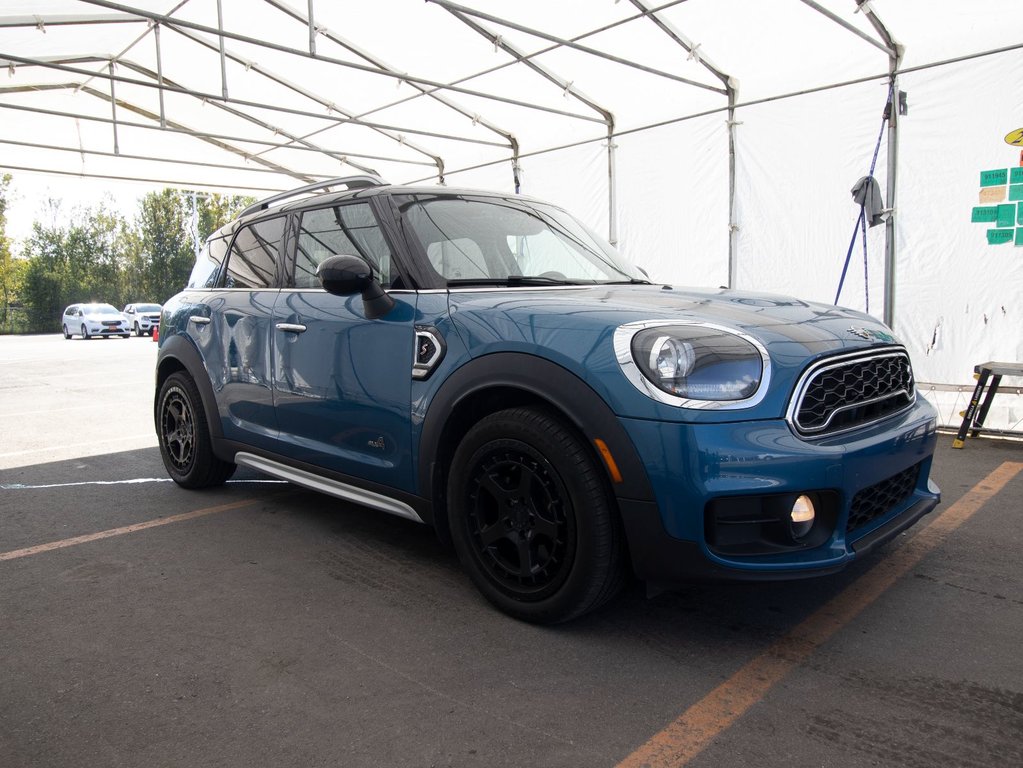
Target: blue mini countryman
<point>485,364</point>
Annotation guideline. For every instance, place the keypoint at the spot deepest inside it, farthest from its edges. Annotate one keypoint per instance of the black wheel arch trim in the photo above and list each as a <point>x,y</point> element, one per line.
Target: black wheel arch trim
<point>550,383</point>
<point>178,351</point>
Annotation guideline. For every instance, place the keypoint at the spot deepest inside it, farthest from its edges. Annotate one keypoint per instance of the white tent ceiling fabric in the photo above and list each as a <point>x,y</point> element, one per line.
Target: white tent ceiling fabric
<point>253,96</point>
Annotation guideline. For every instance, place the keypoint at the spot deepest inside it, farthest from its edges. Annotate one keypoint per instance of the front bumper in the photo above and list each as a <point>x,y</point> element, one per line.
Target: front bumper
<point>98,329</point>
<point>696,468</point>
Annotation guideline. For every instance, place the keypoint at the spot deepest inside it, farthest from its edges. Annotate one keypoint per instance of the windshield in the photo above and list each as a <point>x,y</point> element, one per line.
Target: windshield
<point>508,241</point>
<point>147,307</point>
<point>100,309</point>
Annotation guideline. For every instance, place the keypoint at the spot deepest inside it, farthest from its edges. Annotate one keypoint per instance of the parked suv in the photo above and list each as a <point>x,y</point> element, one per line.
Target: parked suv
<point>485,364</point>
<point>142,318</point>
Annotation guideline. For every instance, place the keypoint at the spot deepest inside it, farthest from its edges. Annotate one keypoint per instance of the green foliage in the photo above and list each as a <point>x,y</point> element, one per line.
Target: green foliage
<point>170,227</point>
<point>99,256</point>
<point>12,270</point>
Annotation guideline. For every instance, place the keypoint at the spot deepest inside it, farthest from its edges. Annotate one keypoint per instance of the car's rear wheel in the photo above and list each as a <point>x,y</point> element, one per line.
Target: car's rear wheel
<point>184,434</point>
<point>532,519</point>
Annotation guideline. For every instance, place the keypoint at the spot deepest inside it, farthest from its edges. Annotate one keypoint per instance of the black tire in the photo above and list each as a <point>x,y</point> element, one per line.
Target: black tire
<point>85,332</point>
<point>138,331</point>
<point>532,519</point>
<point>184,435</point>
<point>67,333</point>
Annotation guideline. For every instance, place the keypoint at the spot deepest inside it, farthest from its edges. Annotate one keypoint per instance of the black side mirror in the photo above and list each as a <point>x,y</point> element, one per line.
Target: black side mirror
<point>345,275</point>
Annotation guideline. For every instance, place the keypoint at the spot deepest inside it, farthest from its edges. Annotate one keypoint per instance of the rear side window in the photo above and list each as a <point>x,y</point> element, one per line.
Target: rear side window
<point>252,262</point>
<point>342,230</point>
<point>207,265</point>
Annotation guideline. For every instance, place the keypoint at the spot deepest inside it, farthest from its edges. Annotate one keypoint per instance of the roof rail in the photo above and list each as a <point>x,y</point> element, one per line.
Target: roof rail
<point>351,182</point>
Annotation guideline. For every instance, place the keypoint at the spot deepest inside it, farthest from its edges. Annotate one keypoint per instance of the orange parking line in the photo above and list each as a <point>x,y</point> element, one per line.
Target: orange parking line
<point>14,554</point>
<point>699,725</point>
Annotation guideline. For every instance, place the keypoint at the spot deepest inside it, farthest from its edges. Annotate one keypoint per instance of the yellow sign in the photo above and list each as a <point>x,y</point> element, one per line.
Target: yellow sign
<point>1015,138</point>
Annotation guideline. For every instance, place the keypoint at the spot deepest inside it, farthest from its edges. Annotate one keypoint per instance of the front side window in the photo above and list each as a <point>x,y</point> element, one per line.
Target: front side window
<point>486,240</point>
<point>342,230</point>
<point>252,262</point>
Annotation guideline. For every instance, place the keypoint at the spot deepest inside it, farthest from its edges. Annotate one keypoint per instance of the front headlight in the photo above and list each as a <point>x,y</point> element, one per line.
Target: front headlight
<point>698,366</point>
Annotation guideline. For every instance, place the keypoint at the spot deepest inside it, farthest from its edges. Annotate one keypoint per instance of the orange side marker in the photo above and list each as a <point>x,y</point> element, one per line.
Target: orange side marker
<point>14,554</point>
<point>609,460</point>
<point>698,726</point>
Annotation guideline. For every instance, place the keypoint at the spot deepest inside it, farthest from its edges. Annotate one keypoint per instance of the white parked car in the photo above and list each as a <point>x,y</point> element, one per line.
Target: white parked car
<point>143,318</point>
<point>89,320</point>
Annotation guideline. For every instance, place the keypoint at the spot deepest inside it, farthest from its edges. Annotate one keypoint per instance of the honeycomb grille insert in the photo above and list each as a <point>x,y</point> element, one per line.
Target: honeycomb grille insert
<point>880,498</point>
<point>852,393</point>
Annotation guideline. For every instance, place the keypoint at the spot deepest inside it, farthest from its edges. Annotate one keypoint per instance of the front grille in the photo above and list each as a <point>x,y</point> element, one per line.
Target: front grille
<point>835,396</point>
<point>880,498</point>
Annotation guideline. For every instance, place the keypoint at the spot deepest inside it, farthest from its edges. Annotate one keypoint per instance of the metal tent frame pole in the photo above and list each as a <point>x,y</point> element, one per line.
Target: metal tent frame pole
<point>894,51</point>
<point>890,255</point>
<point>566,87</point>
<point>732,91</point>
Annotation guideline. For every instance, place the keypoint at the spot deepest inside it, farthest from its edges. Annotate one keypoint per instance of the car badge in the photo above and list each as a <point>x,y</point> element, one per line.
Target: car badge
<point>863,333</point>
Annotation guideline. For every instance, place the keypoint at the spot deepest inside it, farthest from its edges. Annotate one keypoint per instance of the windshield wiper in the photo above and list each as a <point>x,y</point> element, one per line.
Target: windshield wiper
<point>539,280</point>
<point>630,281</point>
<point>511,280</point>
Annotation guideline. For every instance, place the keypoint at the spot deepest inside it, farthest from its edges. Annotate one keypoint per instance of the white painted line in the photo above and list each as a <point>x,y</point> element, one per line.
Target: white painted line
<point>133,481</point>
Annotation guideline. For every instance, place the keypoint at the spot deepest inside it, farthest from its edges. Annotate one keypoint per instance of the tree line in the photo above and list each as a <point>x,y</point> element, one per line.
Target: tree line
<point>100,255</point>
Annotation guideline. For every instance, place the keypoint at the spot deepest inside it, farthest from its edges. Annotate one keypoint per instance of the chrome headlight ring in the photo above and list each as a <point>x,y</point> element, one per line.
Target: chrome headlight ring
<point>673,333</point>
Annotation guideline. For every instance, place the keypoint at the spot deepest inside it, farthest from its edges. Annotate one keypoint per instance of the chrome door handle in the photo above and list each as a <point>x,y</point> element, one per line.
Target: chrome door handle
<point>199,320</point>
<point>290,327</point>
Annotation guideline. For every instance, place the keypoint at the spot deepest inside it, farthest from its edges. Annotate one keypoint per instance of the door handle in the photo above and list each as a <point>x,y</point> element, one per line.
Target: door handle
<point>199,320</point>
<point>290,327</point>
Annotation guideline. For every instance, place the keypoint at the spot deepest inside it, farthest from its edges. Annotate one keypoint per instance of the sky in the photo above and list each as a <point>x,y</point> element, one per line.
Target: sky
<point>29,193</point>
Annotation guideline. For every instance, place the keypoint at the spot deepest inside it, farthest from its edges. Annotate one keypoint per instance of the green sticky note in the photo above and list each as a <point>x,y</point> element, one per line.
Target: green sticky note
<point>999,236</point>
<point>1016,192</point>
<point>994,178</point>
<point>1006,215</point>
<point>1019,237</point>
<point>985,213</point>
<point>1016,175</point>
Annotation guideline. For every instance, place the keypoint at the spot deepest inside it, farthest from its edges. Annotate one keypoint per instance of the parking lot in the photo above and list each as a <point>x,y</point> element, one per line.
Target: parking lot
<point>263,625</point>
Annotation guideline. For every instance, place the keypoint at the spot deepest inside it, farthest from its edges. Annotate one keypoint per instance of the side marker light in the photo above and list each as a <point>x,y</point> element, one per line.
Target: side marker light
<point>609,460</point>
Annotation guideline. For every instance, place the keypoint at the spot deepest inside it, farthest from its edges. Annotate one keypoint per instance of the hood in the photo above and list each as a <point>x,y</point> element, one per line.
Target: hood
<point>574,327</point>
<point>784,325</point>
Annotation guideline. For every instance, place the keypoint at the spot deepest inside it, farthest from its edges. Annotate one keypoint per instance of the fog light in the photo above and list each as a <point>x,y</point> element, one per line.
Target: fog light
<point>802,517</point>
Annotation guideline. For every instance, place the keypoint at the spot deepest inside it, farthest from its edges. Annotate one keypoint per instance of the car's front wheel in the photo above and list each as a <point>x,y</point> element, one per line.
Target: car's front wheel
<point>532,519</point>
<point>185,443</point>
<point>67,333</point>
<point>85,332</point>
<point>138,331</point>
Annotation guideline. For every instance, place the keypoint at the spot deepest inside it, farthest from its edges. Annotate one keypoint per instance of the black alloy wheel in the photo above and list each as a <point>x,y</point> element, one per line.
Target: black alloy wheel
<point>532,519</point>
<point>185,443</point>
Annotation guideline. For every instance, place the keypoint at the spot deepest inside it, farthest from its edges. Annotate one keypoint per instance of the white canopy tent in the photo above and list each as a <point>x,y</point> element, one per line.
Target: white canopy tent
<point>716,141</point>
